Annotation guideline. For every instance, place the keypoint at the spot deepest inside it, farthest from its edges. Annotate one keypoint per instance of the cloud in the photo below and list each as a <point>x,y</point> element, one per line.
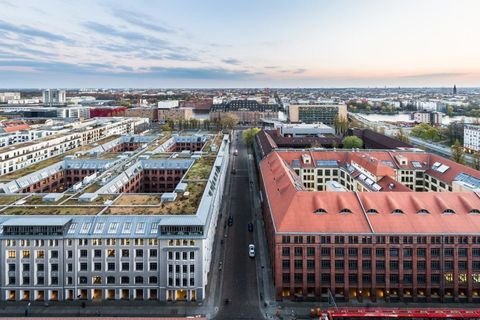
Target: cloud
<point>299,70</point>
<point>32,32</point>
<point>127,72</point>
<point>435,75</point>
<point>231,61</point>
<point>140,20</point>
<point>130,36</point>
<point>271,67</point>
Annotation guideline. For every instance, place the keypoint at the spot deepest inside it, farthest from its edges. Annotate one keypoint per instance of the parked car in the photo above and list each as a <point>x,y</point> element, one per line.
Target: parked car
<point>230,221</point>
<point>235,152</point>
<point>251,250</point>
<point>250,227</point>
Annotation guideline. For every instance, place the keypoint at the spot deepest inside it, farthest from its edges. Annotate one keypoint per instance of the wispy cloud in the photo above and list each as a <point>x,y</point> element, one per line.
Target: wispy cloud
<point>299,71</point>
<point>108,30</point>
<point>271,67</point>
<point>125,71</point>
<point>32,32</point>
<point>232,61</point>
<point>435,75</point>
<point>140,20</point>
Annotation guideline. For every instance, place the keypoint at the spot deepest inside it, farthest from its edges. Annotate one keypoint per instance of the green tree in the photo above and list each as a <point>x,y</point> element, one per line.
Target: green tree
<point>166,127</point>
<point>249,135</point>
<point>458,154</point>
<point>476,160</point>
<point>206,124</point>
<point>351,142</point>
<point>341,125</point>
<point>426,132</point>
<point>400,135</point>
<point>450,111</point>
<point>228,121</point>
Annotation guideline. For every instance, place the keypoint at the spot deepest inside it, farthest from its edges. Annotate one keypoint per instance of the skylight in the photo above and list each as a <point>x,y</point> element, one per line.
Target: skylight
<point>345,210</point>
<point>320,211</point>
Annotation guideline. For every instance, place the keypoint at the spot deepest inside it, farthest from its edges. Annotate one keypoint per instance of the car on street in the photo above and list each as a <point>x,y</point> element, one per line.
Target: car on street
<point>230,221</point>
<point>250,227</point>
<point>251,250</point>
<point>234,171</point>
<point>235,152</point>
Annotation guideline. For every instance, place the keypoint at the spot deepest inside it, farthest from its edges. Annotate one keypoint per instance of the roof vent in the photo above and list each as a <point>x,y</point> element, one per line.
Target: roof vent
<point>398,211</point>
<point>391,186</point>
<point>345,211</point>
<point>320,211</point>
<point>448,211</point>
<point>423,211</point>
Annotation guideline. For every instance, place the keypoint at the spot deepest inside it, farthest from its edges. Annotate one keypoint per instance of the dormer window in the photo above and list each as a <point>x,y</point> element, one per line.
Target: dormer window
<point>474,211</point>
<point>345,211</point>
<point>372,211</point>
<point>448,211</point>
<point>398,211</point>
<point>320,211</point>
<point>423,211</point>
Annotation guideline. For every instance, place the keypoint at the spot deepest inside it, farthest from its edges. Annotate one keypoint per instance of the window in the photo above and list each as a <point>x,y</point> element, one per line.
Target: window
<point>339,264</point>
<point>367,252</point>
<point>339,252</point>
<point>54,267</point>
<point>310,264</point>
<point>366,265</point>
<point>298,278</point>
<point>325,278</point>
<point>435,265</point>
<point>449,252</point>
<point>97,253</point>
<point>407,252</point>
<point>421,278</point>
<point>352,264</point>
<point>11,267</point>
<point>352,252</point>
<point>111,266</point>
<point>125,266</point>
<point>421,252</point>
<point>286,264</point>
<point>380,252</point>
<point>393,252</point>
<point>40,280</point>
<point>125,253</point>
<point>125,280</point>
<point>421,265</point>
<point>435,252</point>
<point>325,252</point>
<point>153,266</point>
<point>83,253</point>
<point>53,254</point>
<point>40,267</point>
<point>54,280</point>
<point>393,265</point>
<point>407,265</point>
<point>339,278</point>
<point>152,279</point>
<point>153,252</point>
<point>138,279</point>
<point>310,251</point>
<point>40,254</point>
<point>97,266</point>
<point>325,264</point>
<point>394,278</point>
<point>380,265</point>
<point>298,251</point>
<point>448,265</point>
<point>12,254</point>
<point>286,277</point>
<point>139,252</point>
<point>286,251</point>
<point>110,280</point>
<point>26,254</point>
<point>352,278</point>
<point>139,266</point>
<point>83,266</point>
<point>311,277</point>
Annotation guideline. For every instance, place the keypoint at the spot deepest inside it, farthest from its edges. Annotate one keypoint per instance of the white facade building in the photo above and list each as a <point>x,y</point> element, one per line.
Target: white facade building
<point>471,137</point>
<point>6,96</point>
<point>54,96</point>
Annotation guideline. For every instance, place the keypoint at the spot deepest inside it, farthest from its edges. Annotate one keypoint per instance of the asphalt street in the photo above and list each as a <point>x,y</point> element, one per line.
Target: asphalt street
<point>239,281</point>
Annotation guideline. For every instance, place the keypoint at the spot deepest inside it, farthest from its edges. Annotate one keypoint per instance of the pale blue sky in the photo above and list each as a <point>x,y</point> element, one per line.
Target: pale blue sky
<point>244,43</point>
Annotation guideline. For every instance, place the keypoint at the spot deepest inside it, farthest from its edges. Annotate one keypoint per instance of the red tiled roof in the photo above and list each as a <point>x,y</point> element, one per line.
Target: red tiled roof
<point>296,210</point>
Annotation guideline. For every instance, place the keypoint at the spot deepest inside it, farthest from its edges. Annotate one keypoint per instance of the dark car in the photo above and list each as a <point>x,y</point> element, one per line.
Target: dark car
<point>230,221</point>
<point>250,227</point>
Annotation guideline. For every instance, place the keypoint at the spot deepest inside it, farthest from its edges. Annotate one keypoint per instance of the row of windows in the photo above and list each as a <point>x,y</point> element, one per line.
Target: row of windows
<point>125,253</point>
<point>382,239</point>
<point>339,278</point>
<point>421,265</point>
<point>381,252</point>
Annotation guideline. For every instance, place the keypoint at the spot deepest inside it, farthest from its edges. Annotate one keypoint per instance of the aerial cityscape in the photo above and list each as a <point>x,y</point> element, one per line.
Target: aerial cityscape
<point>240,160</point>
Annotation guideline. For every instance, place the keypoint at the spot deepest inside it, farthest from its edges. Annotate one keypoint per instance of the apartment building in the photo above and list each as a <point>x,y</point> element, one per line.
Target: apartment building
<point>381,240</point>
<point>316,113</point>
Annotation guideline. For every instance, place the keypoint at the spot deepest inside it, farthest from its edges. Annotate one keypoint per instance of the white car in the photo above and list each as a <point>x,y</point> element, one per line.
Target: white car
<point>251,251</point>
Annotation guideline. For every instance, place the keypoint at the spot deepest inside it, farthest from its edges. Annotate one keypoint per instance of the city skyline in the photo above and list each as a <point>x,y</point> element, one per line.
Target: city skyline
<point>248,44</point>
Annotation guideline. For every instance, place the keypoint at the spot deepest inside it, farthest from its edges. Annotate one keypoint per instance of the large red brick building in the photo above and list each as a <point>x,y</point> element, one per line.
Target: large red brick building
<point>376,239</point>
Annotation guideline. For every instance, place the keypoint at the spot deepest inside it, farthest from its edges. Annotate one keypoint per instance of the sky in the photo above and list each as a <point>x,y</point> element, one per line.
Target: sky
<point>248,43</point>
